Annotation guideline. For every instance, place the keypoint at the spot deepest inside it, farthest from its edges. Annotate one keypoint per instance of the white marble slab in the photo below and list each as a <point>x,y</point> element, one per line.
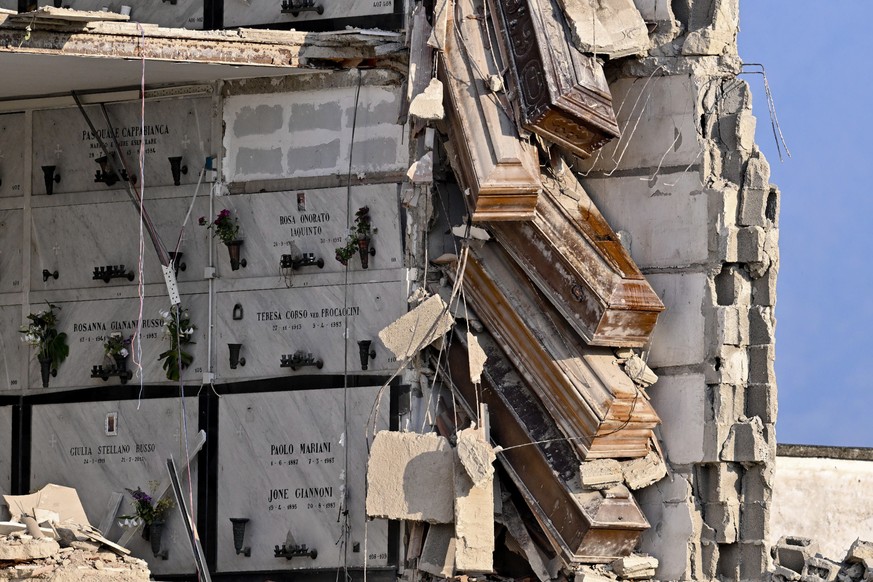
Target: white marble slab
<point>87,323</point>
<point>311,221</point>
<point>249,12</point>
<point>10,348</point>
<point>70,446</point>
<point>11,154</point>
<point>11,223</point>
<point>281,322</point>
<point>185,14</point>
<point>173,127</point>
<point>308,133</point>
<point>282,461</point>
<point>5,450</point>
<point>74,238</point>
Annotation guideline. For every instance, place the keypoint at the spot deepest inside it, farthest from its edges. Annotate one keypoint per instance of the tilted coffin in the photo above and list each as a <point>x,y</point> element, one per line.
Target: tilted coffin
<point>575,258</point>
<point>583,526</point>
<point>562,93</point>
<point>498,168</point>
<point>593,402</point>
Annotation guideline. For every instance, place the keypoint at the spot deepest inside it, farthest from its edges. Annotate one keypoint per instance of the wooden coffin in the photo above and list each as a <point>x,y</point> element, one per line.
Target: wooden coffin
<point>583,526</point>
<point>499,170</point>
<point>577,261</point>
<point>582,387</point>
<point>562,94</point>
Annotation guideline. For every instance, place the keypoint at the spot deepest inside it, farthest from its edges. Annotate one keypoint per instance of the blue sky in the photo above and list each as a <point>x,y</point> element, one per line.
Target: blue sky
<point>816,56</point>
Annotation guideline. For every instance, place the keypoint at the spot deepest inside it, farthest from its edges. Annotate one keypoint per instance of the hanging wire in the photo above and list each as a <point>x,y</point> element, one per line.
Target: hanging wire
<point>771,107</point>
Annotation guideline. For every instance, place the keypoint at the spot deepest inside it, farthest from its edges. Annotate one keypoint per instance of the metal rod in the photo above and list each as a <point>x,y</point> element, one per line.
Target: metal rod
<point>132,190</point>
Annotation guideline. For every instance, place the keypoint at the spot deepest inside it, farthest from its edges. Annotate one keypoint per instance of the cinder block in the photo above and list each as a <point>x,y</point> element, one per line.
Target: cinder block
<point>753,207</point>
<point>681,404</point>
<point>757,173</point>
<point>733,286</point>
<point>764,288</point>
<point>792,552</point>
<point>762,325</point>
<point>677,339</point>
<point>761,364</point>
<point>746,443</point>
<point>754,561</point>
<point>732,326</point>
<point>750,244</point>
<point>724,518</point>
<point>754,521</point>
<point>729,561</point>
<point>730,365</point>
<point>720,482</point>
<point>728,403</point>
<point>761,401</point>
<point>709,559</point>
<point>757,483</point>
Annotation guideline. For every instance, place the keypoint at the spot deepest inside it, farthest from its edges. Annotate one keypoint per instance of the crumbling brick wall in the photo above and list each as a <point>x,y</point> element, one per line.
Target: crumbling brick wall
<point>689,192</point>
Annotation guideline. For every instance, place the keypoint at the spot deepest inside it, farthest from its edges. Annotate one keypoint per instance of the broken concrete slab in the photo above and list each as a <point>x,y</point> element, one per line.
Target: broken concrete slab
<point>25,549</point>
<point>477,358</point>
<point>418,328</point>
<point>600,473</point>
<point>408,477</point>
<point>518,531</point>
<point>860,552</point>
<point>614,28</point>
<point>421,171</point>
<point>428,105</point>
<point>635,567</point>
<point>639,371</point>
<point>476,456</point>
<point>639,473</point>
<point>474,520</point>
<point>438,552</point>
<point>62,500</point>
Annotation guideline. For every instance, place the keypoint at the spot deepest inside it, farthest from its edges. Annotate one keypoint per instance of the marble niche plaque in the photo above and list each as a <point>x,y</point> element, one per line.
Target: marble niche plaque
<point>11,224</point>
<point>172,128</point>
<point>250,12</point>
<point>75,238</point>
<point>11,348</point>
<point>5,450</point>
<point>88,324</point>
<point>11,154</point>
<point>280,322</point>
<point>284,460</point>
<point>312,221</point>
<point>101,448</point>
<point>309,133</point>
<point>184,14</point>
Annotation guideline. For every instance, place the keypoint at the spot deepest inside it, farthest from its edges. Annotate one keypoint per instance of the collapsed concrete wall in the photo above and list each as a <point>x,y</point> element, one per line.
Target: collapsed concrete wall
<point>684,190</point>
<point>690,193</point>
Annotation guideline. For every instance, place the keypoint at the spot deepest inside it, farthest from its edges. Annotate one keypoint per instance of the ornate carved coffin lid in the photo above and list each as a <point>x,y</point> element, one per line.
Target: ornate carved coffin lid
<point>591,399</point>
<point>590,526</point>
<point>499,169</point>
<point>562,93</point>
<point>577,261</point>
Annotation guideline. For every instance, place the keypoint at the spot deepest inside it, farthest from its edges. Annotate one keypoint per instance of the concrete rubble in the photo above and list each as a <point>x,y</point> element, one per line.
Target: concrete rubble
<point>24,558</point>
<point>418,328</point>
<point>407,477</point>
<point>798,559</point>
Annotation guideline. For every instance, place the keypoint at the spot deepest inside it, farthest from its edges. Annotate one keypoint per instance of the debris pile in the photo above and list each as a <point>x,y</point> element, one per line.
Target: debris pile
<point>797,558</point>
<point>52,540</point>
<point>23,557</point>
